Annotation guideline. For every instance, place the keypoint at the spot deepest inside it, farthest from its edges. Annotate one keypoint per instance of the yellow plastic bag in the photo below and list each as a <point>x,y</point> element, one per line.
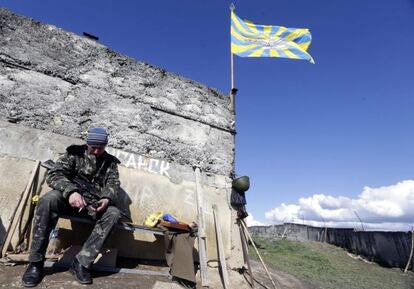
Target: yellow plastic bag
<point>153,219</point>
<point>35,200</point>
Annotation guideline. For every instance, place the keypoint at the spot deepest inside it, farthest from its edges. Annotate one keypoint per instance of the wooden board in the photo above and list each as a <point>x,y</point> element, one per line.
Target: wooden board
<point>220,249</point>
<point>201,236</point>
<point>18,214</point>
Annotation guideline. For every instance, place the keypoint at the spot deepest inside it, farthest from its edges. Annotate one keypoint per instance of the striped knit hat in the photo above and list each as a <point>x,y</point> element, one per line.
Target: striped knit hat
<point>97,136</point>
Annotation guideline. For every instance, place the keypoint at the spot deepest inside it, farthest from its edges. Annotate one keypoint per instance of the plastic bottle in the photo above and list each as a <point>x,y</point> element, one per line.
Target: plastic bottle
<point>54,242</point>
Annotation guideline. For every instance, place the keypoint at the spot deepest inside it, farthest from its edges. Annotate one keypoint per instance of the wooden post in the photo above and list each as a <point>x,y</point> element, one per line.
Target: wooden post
<point>220,249</point>
<point>245,252</point>
<point>362,224</point>
<point>258,254</point>
<point>28,229</point>
<point>412,248</point>
<point>201,236</point>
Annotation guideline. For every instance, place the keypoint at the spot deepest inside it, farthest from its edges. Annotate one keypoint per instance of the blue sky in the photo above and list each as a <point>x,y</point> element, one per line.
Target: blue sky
<point>303,130</point>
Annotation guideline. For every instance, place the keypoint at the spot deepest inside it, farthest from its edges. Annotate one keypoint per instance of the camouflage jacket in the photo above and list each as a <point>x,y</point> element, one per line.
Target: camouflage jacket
<point>76,167</point>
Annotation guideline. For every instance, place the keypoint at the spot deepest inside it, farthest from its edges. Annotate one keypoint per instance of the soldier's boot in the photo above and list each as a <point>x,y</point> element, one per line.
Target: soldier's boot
<point>80,272</point>
<point>33,274</point>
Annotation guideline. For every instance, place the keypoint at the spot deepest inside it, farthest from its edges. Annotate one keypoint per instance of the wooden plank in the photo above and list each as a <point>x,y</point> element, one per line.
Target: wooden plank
<point>32,205</point>
<point>49,264</point>
<point>246,253</point>
<point>201,236</point>
<point>121,225</point>
<point>258,254</point>
<point>56,264</point>
<point>19,211</point>
<point>24,257</point>
<point>220,249</point>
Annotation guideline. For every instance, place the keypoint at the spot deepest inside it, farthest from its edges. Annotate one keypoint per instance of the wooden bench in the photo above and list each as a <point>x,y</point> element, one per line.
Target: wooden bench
<point>121,225</point>
<point>124,226</point>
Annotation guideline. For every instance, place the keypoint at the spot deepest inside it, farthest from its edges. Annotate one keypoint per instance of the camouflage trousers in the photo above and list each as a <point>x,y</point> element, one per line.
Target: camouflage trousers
<point>50,207</point>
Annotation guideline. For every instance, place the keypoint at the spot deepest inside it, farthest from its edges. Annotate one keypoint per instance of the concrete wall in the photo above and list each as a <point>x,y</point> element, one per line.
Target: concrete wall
<point>148,185</point>
<point>390,249</point>
<point>57,81</point>
<point>14,174</point>
<point>54,85</point>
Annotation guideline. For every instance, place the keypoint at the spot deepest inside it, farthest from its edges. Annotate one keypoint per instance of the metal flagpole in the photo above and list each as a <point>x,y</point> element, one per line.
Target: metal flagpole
<point>233,90</point>
<point>232,70</point>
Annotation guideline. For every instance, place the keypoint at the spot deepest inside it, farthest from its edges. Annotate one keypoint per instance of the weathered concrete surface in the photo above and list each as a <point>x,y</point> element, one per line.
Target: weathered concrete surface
<point>390,249</point>
<point>148,185</point>
<point>289,231</point>
<point>60,82</point>
<point>14,174</point>
<point>24,142</point>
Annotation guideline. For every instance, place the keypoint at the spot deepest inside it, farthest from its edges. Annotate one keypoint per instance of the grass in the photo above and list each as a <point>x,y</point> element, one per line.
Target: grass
<point>329,267</point>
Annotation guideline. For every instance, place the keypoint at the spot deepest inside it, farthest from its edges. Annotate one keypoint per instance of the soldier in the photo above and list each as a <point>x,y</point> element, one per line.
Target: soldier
<point>85,183</point>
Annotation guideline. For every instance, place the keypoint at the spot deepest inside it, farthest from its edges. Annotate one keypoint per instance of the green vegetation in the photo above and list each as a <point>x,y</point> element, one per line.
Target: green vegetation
<point>329,267</point>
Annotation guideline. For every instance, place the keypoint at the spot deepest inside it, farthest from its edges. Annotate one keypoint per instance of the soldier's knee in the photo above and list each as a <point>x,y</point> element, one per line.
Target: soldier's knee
<point>51,197</point>
<point>114,213</point>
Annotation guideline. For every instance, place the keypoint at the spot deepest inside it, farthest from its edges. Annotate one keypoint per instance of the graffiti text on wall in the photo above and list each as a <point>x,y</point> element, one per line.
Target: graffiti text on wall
<point>138,162</point>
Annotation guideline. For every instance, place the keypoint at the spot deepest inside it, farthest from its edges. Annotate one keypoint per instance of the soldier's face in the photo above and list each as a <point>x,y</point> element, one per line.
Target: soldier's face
<point>96,150</point>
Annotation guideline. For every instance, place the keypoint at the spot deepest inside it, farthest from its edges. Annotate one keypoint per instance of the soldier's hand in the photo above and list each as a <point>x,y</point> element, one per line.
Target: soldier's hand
<point>102,205</point>
<point>77,201</point>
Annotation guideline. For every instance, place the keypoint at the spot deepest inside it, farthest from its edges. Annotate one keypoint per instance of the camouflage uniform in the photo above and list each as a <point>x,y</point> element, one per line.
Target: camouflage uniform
<point>102,176</point>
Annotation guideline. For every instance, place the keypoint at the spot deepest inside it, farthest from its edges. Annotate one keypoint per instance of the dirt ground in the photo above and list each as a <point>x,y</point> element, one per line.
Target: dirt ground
<point>58,278</point>
<point>281,279</point>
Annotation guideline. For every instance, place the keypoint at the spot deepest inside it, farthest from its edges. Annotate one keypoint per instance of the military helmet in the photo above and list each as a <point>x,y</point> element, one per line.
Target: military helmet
<point>241,184</point>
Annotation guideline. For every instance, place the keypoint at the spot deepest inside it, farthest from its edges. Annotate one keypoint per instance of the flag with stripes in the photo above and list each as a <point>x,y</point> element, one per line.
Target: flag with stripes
<point>252,40</point>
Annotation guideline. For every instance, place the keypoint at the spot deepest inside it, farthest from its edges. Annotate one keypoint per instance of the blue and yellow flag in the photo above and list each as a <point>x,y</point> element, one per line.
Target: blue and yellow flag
<point>252,40</point>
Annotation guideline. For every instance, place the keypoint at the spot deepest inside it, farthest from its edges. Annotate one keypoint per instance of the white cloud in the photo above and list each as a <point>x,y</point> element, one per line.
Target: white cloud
<point>283,213</point>
<point>250,221</point>
<point>383,208</point>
